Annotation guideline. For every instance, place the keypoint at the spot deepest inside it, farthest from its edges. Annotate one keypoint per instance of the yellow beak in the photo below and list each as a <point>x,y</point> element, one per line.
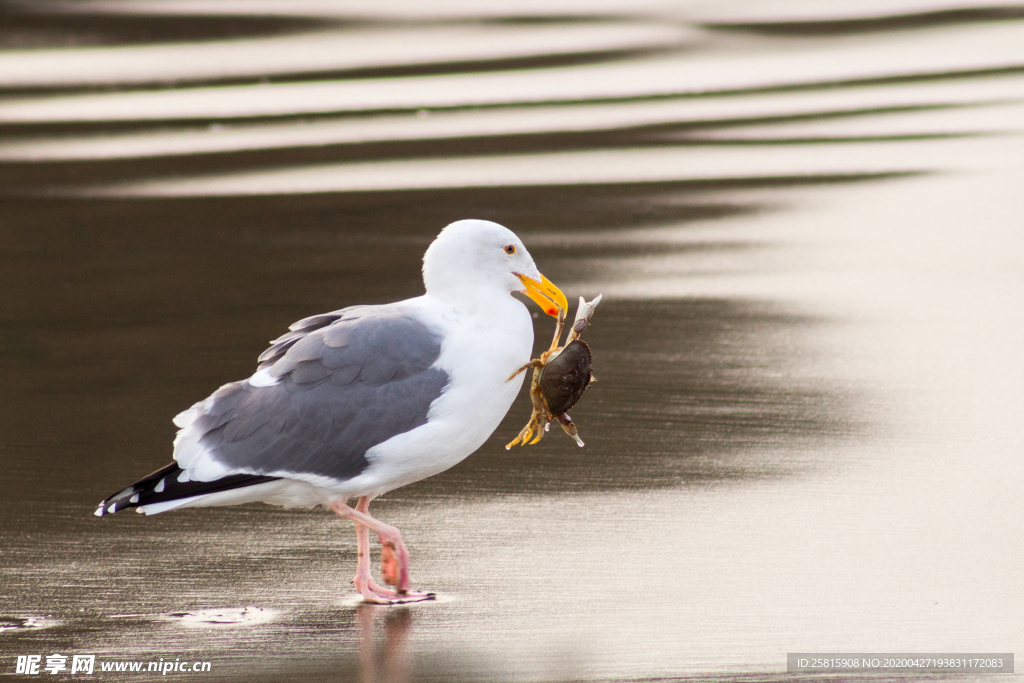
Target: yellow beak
<point>549,297</point>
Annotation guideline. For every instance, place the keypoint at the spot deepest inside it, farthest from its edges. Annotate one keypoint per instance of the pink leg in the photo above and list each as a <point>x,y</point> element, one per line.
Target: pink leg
<point>363,580</point>
<point>390,539</point>
<point>363,575</point>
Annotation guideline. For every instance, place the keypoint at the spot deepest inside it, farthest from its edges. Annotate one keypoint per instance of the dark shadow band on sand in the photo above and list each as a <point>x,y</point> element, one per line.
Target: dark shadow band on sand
<point>853,25</point>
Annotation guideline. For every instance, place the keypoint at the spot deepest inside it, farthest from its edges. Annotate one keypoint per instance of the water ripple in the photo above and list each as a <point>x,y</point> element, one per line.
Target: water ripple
<point>975,51</point>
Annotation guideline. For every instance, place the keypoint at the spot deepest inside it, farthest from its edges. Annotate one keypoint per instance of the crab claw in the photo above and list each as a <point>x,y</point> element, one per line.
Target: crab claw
<point>584,312</point>
<point>569,427</point>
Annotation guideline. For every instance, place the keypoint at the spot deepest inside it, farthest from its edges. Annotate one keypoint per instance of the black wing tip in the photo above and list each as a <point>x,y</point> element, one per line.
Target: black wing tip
<point>163,486</point>
<point>130,497</point>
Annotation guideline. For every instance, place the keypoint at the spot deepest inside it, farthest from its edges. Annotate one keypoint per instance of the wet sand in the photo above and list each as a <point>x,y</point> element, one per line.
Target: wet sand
<point>804,436</point>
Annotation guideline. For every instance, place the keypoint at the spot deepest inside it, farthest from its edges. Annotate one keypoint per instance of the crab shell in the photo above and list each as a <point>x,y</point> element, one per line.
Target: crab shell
<point>565,377</point>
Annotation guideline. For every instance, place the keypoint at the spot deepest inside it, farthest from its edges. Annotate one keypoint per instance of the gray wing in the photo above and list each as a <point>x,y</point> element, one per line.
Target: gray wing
<point>346,381</point>
<point>300,329</point>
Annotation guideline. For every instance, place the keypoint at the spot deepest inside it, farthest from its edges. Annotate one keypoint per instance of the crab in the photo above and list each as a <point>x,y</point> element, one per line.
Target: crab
<point>560,376</point>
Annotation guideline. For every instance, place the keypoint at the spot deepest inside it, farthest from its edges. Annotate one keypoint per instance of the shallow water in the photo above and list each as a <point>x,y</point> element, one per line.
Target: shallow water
<point>806,224</point>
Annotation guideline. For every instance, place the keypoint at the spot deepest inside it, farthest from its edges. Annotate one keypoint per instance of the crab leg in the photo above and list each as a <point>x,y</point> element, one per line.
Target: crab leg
<point>540,415</point>
<point>558,329</point>
<point>535,363</point>
<point>539,411</point>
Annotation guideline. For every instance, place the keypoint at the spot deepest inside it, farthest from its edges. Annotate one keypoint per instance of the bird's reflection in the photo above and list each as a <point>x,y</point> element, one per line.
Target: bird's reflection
<point>386,661</point>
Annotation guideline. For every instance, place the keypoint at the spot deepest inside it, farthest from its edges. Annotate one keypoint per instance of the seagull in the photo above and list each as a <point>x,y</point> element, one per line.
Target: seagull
<point>357,402</point>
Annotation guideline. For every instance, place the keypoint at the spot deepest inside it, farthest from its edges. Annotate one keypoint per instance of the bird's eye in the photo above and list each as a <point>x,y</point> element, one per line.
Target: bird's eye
<point>510,249</point>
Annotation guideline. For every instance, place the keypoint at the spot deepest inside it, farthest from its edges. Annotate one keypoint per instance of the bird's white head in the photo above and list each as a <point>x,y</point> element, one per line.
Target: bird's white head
<point>471,258</point>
